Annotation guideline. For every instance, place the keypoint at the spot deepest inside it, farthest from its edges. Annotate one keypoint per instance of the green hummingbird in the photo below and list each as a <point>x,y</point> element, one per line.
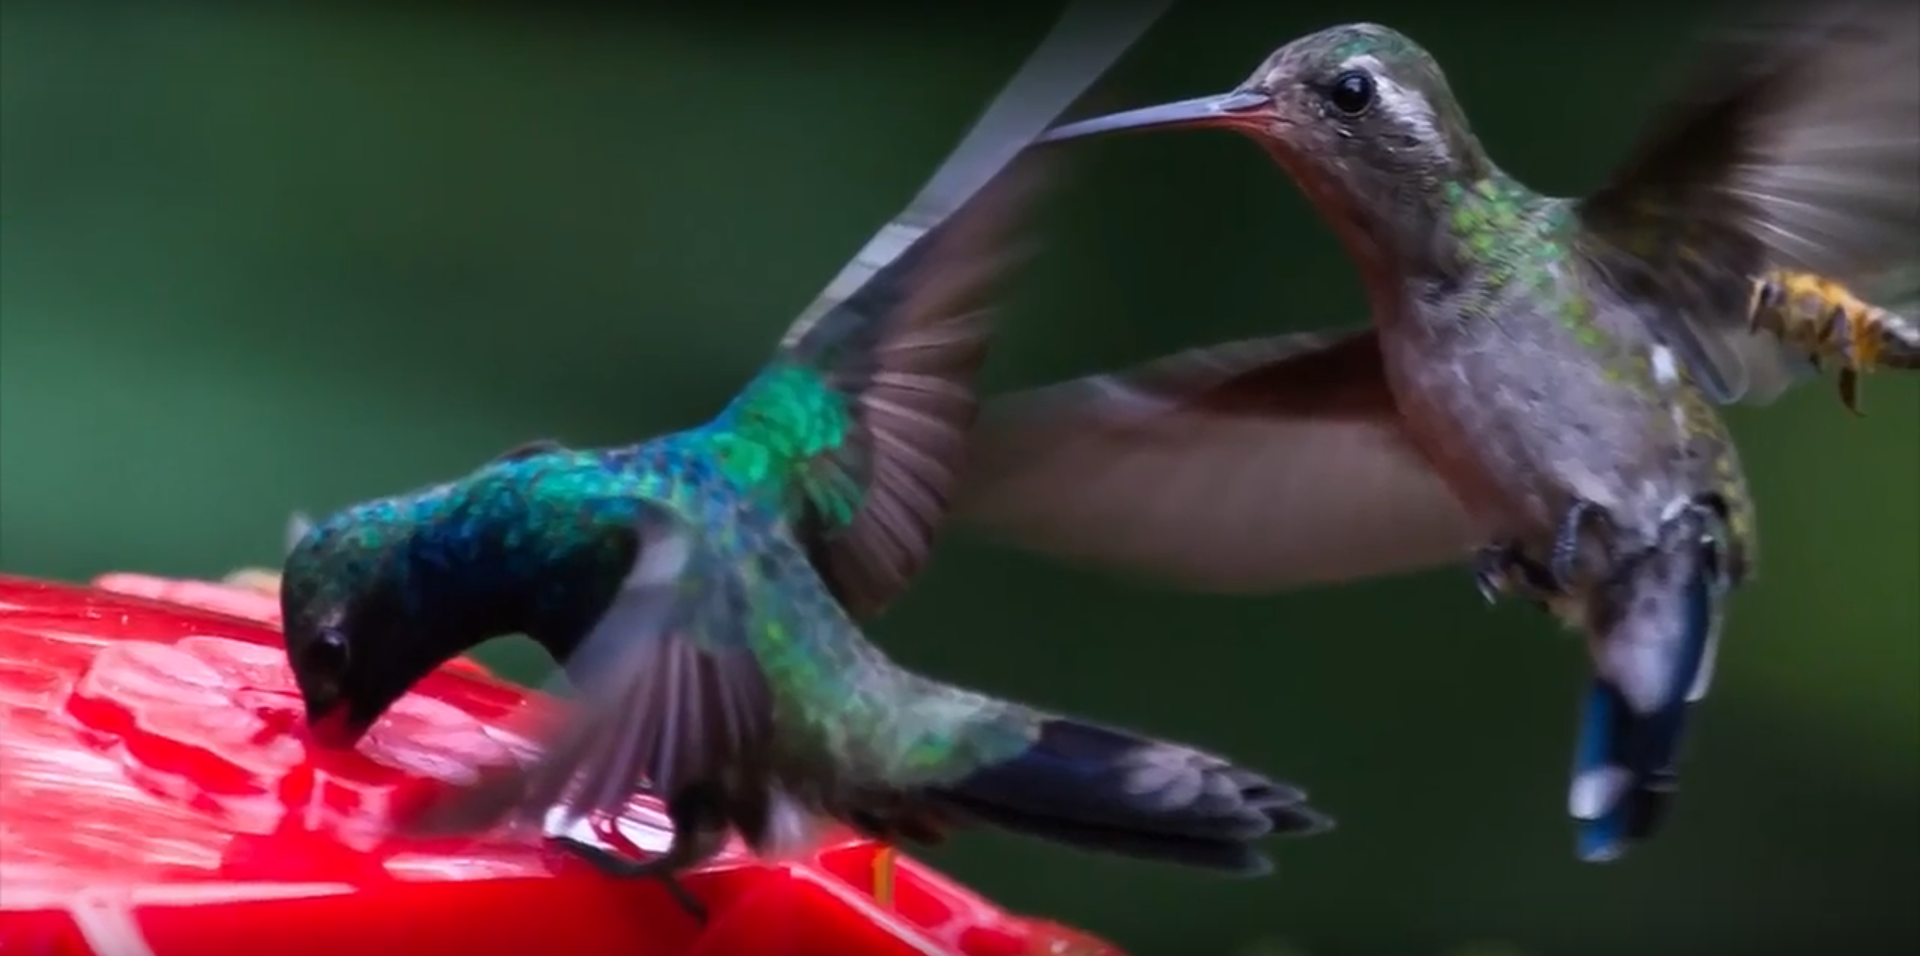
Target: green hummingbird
<point>703,589</point>
<point>1536,391</point>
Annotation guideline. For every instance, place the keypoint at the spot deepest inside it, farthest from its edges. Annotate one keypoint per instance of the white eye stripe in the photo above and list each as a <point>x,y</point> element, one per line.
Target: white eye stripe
<point>1404,103</point>
<point>1407,107</point>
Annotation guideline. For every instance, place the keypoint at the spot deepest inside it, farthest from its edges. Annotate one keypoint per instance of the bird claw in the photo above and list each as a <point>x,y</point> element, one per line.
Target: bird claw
<point>624,868</point>
<point>1704,516</point>
<point>1505,569</point>
<point>610,862</point>
<point>610,855</point>
<point>1493,571</point>
<point>1568,542</point>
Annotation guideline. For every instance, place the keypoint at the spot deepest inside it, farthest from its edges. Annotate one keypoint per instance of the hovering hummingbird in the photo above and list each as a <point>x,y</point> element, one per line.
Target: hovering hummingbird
<point>702,588</point>
<point>1537,386</point>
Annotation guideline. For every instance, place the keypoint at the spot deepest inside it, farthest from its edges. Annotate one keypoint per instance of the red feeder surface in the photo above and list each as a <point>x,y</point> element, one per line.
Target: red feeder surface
<point>158,798</point>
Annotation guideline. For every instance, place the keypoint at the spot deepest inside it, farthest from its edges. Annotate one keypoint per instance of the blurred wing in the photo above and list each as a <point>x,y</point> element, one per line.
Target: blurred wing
<point>299,524</point>
<point>1795,145</point>
<point>1896,290</point>
<point>1253,466</point>
<point>902,330</point>
<point>668,693</point>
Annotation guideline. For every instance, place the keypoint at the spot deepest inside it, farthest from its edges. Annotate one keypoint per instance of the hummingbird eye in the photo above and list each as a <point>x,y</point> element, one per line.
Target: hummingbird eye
<point>1351,92</point>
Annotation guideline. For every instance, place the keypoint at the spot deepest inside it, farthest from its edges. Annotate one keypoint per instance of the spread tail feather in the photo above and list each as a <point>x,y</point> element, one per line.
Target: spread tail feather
<point>1109,791</point>
<point>1655,662</point>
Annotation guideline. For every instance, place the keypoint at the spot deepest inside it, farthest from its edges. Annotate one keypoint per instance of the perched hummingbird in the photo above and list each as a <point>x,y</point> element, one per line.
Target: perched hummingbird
<point>1537,387</point>
<point>702,588</point>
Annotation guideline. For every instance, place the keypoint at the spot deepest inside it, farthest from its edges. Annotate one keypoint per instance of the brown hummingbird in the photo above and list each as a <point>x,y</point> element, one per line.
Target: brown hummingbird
<point>1537,388</point>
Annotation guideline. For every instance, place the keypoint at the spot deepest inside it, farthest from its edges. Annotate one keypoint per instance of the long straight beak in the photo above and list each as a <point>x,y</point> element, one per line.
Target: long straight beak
<point>1242,109</point>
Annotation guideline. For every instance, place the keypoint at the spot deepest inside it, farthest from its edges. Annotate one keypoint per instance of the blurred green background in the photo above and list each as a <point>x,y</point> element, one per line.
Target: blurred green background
<point>258,259</point>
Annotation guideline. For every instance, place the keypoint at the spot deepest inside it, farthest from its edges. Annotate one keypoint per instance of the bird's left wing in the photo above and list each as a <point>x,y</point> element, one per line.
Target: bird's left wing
<point>668,692</point>
<point>1254,466</point>
<point>902,330</point>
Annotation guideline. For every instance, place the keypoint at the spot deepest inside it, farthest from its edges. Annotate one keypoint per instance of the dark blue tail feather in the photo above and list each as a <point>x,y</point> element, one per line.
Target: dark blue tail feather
<point>1626,764</point>
<point>1106,790</point>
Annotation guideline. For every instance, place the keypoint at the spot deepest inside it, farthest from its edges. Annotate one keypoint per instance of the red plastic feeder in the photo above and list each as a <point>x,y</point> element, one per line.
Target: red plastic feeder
<point>157,798</point>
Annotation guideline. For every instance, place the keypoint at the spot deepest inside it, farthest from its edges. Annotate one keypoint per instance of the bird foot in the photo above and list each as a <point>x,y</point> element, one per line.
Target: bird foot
<point>1569,542</point>
<point>1701,523</point>
<point>1504,569</point>
<point>622,867</point>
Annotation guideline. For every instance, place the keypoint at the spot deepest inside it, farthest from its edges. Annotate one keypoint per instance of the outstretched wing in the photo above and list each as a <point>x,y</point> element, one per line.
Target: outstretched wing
<point>1252,466</point>
<point>902,330</point>
<point>668,692</point>
<point>1795,145</point>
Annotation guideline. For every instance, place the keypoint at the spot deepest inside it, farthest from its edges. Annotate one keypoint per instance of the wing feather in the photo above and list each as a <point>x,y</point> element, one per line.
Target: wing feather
<point>903,329</point>
<point>668,694</point>
<point>1253,466</point>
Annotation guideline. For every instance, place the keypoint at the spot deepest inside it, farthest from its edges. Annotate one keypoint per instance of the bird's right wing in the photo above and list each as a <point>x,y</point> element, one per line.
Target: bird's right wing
<point>667,692</point>
<point>1253,466</point>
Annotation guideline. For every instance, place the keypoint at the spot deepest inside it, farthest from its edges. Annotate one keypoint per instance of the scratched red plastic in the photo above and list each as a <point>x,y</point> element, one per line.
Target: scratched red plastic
<point>157,796</point>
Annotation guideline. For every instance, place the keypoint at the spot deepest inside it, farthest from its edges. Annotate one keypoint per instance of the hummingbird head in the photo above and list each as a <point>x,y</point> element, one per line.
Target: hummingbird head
<point>1359,115</point>
<point>359,632</point>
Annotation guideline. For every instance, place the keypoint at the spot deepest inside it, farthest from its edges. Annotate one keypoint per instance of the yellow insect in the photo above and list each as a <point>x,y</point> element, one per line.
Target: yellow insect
<point>1830,322</point>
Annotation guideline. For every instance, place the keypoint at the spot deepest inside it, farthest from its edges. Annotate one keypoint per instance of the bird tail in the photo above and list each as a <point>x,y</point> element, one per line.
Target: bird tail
<point>1106,790</point>
<point>1656,634</point>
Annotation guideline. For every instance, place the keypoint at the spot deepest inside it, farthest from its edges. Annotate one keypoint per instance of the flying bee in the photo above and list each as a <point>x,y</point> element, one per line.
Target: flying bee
<point>1830,322</point>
